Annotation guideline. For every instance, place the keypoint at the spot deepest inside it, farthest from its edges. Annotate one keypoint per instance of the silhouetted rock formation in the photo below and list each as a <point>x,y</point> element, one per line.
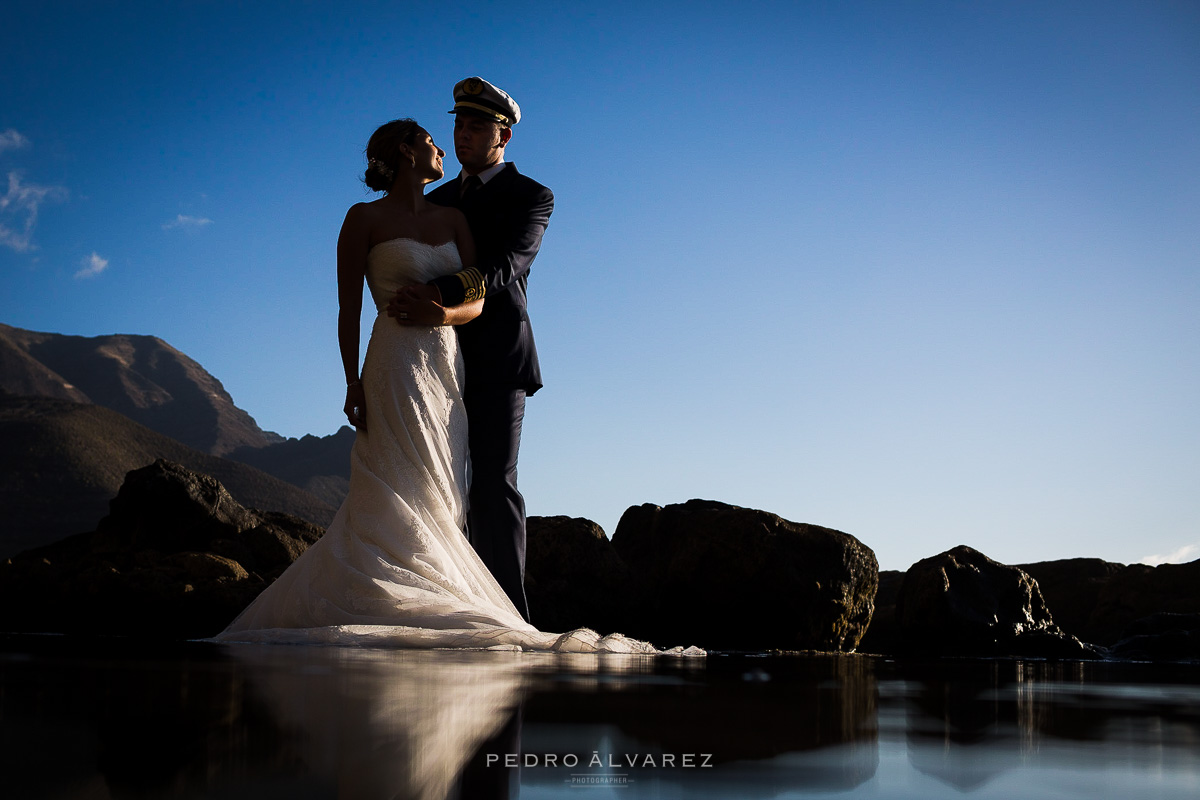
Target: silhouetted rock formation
<point>963,603</point>
<point>1161,637</point>
<point>142,377</point>
<point>1134,611</point>
<point>62,462</point>
<point>177,557</point>
<point>574,578</point>
<point>725,577</point>
<point>1072,588</point>
<point>883,634</point>
<point>1101,600</point>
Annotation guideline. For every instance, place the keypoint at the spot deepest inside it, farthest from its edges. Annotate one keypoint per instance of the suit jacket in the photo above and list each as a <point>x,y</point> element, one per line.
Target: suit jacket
<point>507,217</point>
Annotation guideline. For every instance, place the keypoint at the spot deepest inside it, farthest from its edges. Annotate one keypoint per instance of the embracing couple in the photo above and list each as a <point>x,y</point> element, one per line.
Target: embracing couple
<point>428,549</point>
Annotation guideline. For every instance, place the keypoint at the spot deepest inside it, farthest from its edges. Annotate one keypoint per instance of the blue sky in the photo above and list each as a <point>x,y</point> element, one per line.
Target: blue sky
<point>925,272</point>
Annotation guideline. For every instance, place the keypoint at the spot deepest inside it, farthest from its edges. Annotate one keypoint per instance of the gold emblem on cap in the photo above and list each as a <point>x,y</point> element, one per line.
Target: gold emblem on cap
<point>472,86</point>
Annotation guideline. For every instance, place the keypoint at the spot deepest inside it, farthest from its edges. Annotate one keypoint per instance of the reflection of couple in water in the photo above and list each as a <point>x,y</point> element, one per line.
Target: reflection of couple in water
<point>438,406</point>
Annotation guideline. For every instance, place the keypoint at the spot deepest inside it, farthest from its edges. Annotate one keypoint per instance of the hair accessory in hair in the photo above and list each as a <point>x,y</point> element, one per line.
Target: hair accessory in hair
<point>380,167</point>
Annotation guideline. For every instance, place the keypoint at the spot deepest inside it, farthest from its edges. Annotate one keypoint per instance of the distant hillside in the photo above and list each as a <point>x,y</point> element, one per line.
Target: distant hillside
<point>154,384</point>
<point>61,462</point>
<point>142,377</point>
<point>318,464</point>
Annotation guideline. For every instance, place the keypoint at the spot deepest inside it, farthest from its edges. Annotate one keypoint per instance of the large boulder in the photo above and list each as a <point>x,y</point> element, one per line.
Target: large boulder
<point>166,506</point>
<point>177,557</point>
<point>724,577</point>
<point>963,603</point>
<point>574,578</point>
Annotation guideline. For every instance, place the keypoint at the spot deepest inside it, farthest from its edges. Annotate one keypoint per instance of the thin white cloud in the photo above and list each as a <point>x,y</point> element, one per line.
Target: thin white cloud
<point>1189,552</point>
<point>93,265</point>
<point>186,222</point>
<point>19,211</point>
<point>12,140</point>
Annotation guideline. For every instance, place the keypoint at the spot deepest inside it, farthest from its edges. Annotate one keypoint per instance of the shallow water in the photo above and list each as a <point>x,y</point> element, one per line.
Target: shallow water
<point>114,718</point>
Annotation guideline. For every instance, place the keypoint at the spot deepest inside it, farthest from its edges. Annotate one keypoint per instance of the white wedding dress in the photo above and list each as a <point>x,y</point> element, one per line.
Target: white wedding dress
<point>394,568</point>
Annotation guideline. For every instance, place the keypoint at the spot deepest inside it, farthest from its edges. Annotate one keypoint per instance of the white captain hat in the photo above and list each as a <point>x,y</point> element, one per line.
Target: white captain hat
<point>477,97</point>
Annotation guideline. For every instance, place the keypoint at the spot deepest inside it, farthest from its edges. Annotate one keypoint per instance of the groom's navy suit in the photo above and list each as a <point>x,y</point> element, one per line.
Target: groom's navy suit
<point>507,216</point>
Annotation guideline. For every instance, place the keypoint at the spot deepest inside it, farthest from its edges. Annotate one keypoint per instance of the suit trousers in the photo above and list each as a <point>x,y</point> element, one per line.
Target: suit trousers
<point>496,519</point>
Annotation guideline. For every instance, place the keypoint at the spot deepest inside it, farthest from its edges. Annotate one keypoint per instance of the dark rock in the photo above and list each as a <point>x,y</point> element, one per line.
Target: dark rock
<point>1139,591</point>
<point>574,578</point>
<point>171,508</point>
<point>167,562</point>
<point>883,634</point>
<point>724,577</point>
<point>199,567</point>
<point>963,603</point>
<point>1071,588</point>
<point>276,541</point>
<point>1161,637</point>
<point>1158,624</point>
<point>1097,600</point>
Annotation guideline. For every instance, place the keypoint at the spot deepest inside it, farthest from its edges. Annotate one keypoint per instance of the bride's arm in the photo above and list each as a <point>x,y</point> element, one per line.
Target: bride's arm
<point>352,247</point>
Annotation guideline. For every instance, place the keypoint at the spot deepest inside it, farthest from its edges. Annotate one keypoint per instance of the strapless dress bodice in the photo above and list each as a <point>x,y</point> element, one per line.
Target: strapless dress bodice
<point>400,262</point>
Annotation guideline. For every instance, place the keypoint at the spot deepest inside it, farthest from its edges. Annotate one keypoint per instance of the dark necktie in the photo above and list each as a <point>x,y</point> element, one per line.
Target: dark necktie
<point>470,185</point>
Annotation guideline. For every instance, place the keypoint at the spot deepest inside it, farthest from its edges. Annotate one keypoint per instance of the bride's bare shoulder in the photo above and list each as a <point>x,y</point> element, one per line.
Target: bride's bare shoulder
<point>368,209</point>
<point>364,217</point>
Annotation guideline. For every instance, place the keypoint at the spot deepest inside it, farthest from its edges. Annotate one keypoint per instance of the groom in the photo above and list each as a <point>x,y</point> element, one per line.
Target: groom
<point>507,213</point>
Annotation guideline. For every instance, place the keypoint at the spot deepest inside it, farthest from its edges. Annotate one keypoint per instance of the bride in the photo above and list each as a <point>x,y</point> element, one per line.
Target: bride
<point>394,568</point>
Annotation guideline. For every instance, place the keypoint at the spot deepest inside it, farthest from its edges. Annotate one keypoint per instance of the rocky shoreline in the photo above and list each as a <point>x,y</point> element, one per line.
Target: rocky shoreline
<point>177,557</point>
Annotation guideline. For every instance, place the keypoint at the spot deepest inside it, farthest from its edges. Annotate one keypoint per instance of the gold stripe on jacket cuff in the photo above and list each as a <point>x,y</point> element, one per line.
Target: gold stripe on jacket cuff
<point>472,281</point>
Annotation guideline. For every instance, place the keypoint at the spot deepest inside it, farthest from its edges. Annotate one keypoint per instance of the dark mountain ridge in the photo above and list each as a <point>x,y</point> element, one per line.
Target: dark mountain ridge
<point>142,377</point>
<point>61,462</point>
<point>318,464</point>
<point>156,385</point>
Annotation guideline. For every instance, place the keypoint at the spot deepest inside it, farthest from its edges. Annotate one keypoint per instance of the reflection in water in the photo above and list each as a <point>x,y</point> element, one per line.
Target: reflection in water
<point>411,724</point>
<point>114,719</point>
<point>993,723</point>
<point>760,730</point>
<point>381,723</point>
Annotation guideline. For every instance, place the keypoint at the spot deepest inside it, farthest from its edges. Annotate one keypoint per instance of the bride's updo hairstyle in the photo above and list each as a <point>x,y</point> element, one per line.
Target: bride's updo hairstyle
<point>383,152</point>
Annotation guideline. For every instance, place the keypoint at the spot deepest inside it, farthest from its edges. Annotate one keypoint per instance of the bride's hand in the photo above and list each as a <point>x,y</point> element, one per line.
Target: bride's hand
<point>410,311</point>
<point>418,304</point>
<point>420,291</point>
<point>356,405</point>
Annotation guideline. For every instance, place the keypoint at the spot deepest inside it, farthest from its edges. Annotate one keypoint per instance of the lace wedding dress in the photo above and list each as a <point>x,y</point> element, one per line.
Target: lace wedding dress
<point>394,568</point>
